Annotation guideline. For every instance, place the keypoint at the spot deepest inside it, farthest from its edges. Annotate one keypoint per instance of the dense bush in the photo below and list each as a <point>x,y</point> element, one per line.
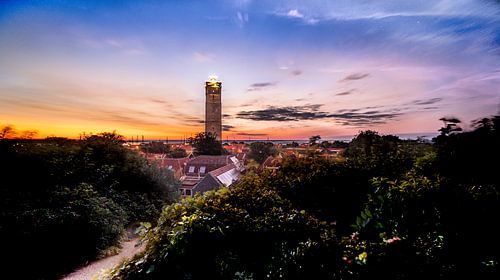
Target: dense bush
<point>384,155</point>
<point>245,232</point>
<point>399,210</point>
<point>63,202</point>
<point>332,191</point>
<point>260,151</point>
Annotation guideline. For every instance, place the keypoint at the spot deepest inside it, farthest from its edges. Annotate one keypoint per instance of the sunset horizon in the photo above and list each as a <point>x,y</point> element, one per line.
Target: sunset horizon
<point>290,70</point>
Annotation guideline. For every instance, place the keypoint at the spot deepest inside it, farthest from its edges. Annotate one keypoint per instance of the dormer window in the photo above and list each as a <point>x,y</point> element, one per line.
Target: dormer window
<point>191,169</point>
<point>202,169</point>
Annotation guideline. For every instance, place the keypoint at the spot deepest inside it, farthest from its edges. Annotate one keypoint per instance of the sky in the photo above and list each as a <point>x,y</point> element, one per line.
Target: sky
<point>289,69</point>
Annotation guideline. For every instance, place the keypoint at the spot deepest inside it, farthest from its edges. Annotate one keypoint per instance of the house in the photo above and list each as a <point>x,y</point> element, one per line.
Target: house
<point>175,164</point>
<point>271,163</point>
<point>205,173</point>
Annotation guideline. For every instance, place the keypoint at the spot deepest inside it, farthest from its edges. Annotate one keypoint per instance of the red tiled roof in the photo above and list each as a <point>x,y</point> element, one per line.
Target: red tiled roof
<point>209,162</point>
<point>176,163</point>
<point>222,170</point>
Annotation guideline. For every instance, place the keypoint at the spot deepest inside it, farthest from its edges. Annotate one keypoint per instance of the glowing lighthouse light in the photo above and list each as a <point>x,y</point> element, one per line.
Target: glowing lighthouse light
<point>213,80</point>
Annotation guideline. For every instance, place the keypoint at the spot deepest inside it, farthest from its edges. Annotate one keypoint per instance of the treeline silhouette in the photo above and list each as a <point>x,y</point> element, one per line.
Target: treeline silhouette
<point>394,209</point>
<point>64,202</point>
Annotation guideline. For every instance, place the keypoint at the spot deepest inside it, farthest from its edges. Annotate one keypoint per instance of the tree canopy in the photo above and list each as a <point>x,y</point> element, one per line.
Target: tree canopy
<point>63,202</point>
<point>260,151</point>
<point>206,143</point>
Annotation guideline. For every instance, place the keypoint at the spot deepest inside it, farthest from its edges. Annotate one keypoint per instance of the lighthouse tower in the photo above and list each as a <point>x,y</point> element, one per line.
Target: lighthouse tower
<point>213,107</point>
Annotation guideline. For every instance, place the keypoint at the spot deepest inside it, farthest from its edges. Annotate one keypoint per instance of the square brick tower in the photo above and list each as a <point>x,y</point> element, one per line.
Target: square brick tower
<point>213,107</point>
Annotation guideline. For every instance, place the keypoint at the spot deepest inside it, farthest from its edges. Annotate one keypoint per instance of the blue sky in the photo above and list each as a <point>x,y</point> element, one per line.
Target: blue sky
<point>290,69</point>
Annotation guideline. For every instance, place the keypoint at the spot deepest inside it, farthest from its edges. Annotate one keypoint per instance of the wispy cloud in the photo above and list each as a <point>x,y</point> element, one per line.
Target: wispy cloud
<point>319,10</point>
<point>252,134</point>
<point>426,101</point>
<point>242,19</point>
<point>290,113</point>
<point>203,57</point>
<point>295,14</point>
<point>355,117</point>
<point>260,86</point>
<point>354,77</point>
<point>124,45</point>
<point>351,91</point>
<point>296,73</point>
<point>227,127</point>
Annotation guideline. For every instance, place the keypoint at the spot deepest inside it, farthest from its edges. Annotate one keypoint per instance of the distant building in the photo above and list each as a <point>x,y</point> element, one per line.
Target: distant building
<point>213,107</point>
<point>205,173</point>
<point>176,165</point>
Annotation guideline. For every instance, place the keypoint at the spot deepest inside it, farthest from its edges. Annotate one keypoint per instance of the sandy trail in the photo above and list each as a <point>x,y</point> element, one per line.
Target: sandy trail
<point>93,269</point>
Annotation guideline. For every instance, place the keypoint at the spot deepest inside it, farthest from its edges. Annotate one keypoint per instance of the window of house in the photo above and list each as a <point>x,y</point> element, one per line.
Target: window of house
<point>188,192</point>
<point>191,169</point>
<point>202,169</point>
<point>182,191</point>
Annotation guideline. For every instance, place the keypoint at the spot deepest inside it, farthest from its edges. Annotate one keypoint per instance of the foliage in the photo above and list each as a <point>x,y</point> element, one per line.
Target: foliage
<point>450,125</point>
<point>64,201</point>
<point>435,221</point>
<point>6,132</point>
<point>9,132</point>
<point>385,155</point>
<point>245,232</point>
<point>334,144</point>
<point>206,143</point>
<point>332,191</point>
<point>293,144</point>
<point>177,153</point>
<point>260,151</point>
<point>155,148</point>
<point>313,140</point>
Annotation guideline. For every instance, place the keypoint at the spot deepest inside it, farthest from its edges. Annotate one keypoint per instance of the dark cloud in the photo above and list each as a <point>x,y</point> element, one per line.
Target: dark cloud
<point>226,116</point>
<point>296,73</point>
<point>291,113</point>
<point>356,116</point>
<point>355,76</point>
<point>252,134</point>
<point>364,118</point>
<point>267,84</point>
<point>193,121</point>
<point>159,101</point>
<point>426,101</point>
<point>259,86</point>
<point>345,92</point>
<point>227,127</point>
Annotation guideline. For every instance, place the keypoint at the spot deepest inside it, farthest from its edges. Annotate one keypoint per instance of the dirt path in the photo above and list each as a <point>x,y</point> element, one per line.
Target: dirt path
<point>92,270</point>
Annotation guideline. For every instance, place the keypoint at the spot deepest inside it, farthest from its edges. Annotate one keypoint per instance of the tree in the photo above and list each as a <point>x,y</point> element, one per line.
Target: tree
<point>7,132</point>
<point>450,125</point>
<point>212,232</point>
<point>260,151</point>
<point>62,201</point>
<point>385,155</point>
<point>28,134</point>
<point>206,143</point>
<point>313,140</point>
<point>339,144</point>
<point>156,148</point>
<point>178,153</point>
<point>325,144</point>
<point>293,144</point>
